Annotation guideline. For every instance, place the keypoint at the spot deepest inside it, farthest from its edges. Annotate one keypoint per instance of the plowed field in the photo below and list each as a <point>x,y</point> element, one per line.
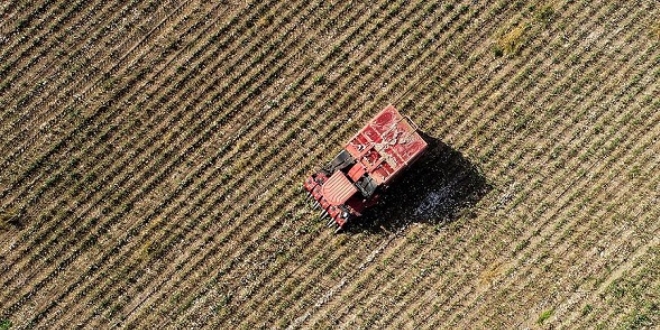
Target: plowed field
<point>152,155</point>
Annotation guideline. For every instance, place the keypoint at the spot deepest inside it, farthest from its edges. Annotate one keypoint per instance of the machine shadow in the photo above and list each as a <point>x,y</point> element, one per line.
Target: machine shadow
<point>436,190</point>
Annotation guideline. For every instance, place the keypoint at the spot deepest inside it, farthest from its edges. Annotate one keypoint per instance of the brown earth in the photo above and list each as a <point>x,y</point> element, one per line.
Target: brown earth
<point>152,156</point>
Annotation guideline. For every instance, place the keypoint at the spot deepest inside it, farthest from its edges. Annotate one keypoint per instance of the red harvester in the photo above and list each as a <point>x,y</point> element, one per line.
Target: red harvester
<point>372,158</point>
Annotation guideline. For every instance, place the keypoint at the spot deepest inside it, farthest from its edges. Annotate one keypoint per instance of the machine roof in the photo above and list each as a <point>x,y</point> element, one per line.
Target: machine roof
<point>386,145</point>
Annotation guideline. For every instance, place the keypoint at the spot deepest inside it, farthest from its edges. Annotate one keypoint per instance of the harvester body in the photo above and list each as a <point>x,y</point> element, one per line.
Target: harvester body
<point>369,162</point>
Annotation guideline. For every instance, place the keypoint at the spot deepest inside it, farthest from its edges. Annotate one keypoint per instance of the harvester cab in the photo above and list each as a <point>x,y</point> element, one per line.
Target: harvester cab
<point>369,162</point>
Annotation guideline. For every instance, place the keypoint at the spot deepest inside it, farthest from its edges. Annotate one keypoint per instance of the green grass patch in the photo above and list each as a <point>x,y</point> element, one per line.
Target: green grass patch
<point>5,324</point>
<point>545,316</point>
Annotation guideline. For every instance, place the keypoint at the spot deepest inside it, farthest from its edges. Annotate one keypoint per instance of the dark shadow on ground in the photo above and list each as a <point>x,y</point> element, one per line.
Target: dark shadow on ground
<point>437,189</point>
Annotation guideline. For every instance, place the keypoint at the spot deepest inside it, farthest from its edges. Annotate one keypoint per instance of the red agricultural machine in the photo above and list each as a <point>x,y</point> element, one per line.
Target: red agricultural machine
<point>370,161</point>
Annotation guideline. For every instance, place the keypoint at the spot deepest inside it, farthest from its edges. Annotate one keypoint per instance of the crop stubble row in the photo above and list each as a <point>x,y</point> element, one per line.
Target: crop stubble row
<point>192,244</point>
